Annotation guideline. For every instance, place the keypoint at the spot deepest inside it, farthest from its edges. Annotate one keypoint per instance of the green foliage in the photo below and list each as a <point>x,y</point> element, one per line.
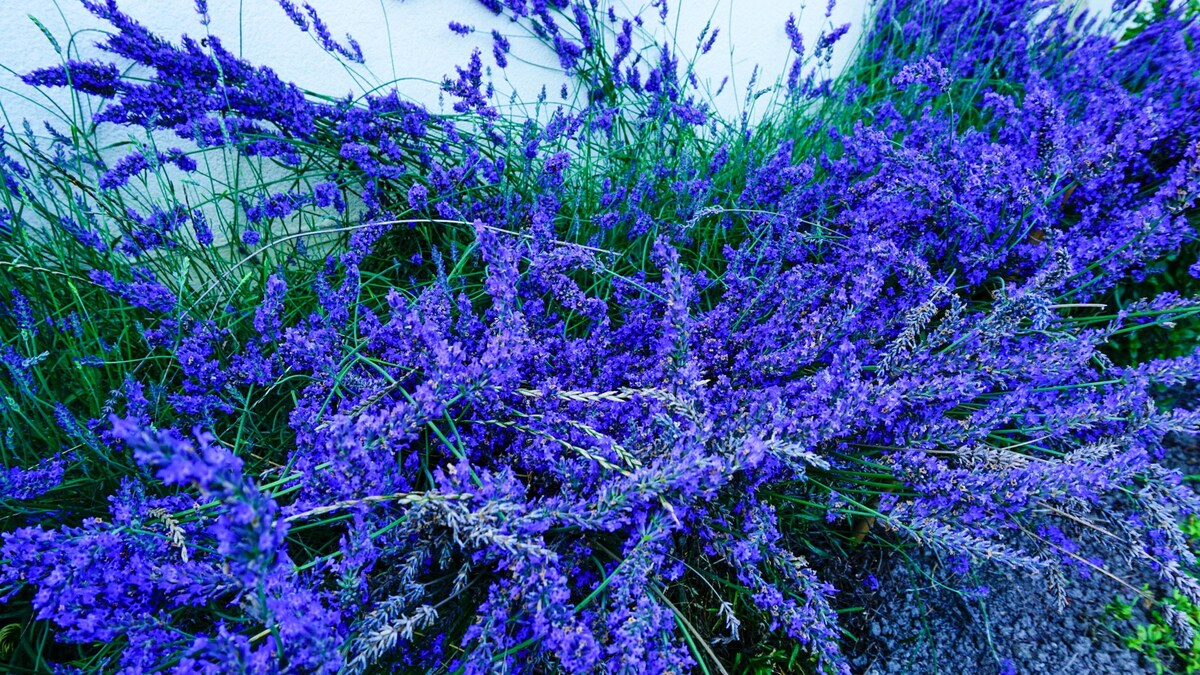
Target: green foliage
<point>1159,639</point>
<point>1171,338</point>
<point>1155,12</point>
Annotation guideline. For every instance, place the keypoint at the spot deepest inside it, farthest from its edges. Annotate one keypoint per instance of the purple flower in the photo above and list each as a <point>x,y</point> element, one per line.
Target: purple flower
<point>144,291</point>
<point>137,162</point>
<point>22,313</point>
<point>328,194</point>
<point>93,77</point>
<point>204,235</point>
<point>927,72</point>
<point>500,49</point>
<point>83,235</point>
<point>18,483</point>
<point>418,197</point>
<point>623,412</point>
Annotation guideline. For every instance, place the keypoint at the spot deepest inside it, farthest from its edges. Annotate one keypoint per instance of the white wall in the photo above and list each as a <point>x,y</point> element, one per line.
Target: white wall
<point>408,40</point>
<point>408,43</point>
<point>405,42</point>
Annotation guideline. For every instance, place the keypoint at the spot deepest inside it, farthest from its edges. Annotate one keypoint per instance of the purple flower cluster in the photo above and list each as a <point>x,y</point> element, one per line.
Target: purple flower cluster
<point>17,483</point>
<point>466,436</point>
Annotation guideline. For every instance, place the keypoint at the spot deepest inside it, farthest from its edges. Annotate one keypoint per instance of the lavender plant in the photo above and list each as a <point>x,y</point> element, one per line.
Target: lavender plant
<point>599,389</point>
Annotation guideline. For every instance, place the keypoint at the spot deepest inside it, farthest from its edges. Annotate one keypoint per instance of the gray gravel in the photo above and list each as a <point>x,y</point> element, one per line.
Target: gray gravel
<point>913,625</point>
<point>919,621</point>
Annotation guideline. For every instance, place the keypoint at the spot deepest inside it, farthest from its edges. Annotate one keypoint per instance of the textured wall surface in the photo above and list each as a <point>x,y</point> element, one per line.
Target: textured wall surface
<point>408,40</point>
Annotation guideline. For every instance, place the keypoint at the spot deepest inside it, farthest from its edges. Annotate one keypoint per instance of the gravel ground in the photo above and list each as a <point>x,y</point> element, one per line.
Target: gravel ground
<point>915,623</point>
<point>915,626</point>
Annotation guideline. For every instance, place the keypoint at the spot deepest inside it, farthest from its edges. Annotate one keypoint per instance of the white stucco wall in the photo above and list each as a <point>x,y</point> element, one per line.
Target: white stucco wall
<point>408,43</point>
<point>408,40</point>
<point>405,42</point>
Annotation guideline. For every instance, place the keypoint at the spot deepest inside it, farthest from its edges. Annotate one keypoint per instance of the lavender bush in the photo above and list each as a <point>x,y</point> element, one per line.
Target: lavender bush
<point>315,384</point>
